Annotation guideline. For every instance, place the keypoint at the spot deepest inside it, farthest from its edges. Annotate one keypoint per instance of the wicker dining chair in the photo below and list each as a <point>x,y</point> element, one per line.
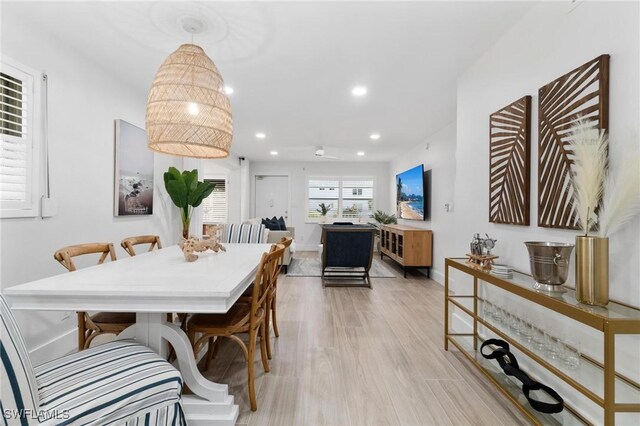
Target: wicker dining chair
<point>128,243</point>
<point>272,312</point>
<point>91,326</point>
<point>243,317</point>
<point>271,301</point>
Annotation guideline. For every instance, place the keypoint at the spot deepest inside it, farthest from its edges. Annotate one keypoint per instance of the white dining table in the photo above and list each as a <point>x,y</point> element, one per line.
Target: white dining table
<point>151,285</point>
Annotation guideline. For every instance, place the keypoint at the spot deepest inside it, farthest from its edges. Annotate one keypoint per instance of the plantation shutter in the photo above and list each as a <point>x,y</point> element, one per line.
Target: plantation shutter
<point>16,139</point>
<point>215,205</point>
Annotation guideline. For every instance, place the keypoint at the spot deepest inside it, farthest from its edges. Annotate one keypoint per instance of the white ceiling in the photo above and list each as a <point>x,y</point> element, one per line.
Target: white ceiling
<point>293,64</point>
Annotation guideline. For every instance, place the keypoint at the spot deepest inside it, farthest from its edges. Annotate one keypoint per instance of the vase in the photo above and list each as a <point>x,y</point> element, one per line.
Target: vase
<point>592,270</point>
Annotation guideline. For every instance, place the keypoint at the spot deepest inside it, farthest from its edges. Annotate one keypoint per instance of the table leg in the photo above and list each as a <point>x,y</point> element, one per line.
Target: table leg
<point>210,403</point>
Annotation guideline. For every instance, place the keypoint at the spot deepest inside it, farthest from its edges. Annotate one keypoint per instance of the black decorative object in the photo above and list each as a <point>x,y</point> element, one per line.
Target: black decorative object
<point>509,365</point>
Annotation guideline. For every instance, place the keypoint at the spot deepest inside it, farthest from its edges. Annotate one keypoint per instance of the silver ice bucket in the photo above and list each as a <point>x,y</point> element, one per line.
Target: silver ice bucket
<point>549,264</point>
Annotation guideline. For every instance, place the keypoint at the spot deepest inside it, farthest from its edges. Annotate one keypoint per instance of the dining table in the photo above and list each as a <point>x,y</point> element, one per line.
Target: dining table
<point>151,285</point>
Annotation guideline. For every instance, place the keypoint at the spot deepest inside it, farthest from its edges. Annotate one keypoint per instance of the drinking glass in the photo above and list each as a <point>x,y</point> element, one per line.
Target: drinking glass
<point>498,313</point>
<point>571,355</point>
<point>513,322</point>
<point>537,337</point>
<point>488,310</point>
<point>552,345</point>
<point>526,330</point>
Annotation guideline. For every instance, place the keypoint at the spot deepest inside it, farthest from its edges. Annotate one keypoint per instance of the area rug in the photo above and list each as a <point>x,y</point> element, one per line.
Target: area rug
<point>311,267</point>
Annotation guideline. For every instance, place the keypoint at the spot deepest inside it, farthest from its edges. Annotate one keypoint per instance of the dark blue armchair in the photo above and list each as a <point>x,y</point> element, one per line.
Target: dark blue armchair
<point>347,254</point>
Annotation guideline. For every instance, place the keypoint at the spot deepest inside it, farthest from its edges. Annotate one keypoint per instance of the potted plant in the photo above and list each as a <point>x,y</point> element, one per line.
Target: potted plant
<point>323,210</point>
<point>186,192</point>
<point>382,218</point>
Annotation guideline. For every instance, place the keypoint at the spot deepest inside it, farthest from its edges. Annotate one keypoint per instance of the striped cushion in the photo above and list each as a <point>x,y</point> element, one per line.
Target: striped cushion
<point>113,384</point>
<point>244,233</point>
<point>18,385</point>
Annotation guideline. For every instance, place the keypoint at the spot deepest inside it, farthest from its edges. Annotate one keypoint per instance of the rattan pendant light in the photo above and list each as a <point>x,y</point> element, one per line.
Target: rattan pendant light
<point>188,112</point>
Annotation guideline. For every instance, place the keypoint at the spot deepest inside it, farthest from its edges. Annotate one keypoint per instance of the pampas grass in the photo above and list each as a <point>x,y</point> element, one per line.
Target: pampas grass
<point>621,199</point>
<point>589,146</point>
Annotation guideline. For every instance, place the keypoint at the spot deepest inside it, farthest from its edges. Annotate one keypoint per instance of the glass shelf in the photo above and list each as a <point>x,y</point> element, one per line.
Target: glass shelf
<point>512,386</point>
<point>566,303</point>
<point>589,374</point>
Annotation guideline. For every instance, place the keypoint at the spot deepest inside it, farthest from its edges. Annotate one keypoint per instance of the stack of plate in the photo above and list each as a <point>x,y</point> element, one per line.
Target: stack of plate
<point>502,271</point>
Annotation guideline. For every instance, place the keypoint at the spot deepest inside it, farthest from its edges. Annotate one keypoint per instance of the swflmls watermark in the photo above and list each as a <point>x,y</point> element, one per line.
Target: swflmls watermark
<point>41,415</point>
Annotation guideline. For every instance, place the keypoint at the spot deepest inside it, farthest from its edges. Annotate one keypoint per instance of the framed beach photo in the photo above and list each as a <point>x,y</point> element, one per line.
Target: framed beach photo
<point>133,171</point>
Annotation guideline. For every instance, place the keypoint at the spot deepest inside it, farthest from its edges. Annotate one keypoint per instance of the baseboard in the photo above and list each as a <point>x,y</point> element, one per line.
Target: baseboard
<point>307,247</point>
<point>437,276</point>
<point>55,348</point>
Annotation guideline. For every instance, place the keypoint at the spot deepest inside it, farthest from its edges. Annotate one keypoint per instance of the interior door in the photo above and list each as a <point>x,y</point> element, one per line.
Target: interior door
<point>272,196</point>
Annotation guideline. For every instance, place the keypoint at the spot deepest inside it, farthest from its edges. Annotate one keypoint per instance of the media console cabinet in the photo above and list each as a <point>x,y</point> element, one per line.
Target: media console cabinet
<point>410,247</point>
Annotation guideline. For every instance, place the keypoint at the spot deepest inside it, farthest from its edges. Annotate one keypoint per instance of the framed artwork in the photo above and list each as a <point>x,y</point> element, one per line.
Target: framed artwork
<point>133,171</point>
<point>509,164</point>
<point>581,93</point>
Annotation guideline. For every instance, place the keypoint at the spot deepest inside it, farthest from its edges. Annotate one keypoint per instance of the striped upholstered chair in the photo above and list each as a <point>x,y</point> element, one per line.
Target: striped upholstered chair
<point>119,383</point>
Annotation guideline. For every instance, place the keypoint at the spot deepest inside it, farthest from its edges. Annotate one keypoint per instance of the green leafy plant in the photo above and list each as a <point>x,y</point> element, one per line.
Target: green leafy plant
<point>186,192</point>
<point>324,209</point>
<point>383,218</point>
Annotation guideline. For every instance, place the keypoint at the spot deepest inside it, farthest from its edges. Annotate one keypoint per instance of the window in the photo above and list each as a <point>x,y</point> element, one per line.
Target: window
<point>346,198</point>
<point>18,151</point>
<point>214,207</point>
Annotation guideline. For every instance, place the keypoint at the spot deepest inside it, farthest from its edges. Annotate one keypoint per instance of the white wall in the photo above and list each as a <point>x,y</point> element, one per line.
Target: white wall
<point>543,45</point>
<point>436,153</point>
<point>308,234</point>
<point>83,103</point>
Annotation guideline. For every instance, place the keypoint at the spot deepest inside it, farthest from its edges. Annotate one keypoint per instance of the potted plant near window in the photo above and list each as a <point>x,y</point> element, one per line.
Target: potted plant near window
<point>323,209</point>
<point>382,218</point>
<point>186,192</point>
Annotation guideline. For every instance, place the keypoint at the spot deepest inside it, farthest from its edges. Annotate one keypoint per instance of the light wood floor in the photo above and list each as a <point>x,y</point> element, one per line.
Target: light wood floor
<point>354,356</point>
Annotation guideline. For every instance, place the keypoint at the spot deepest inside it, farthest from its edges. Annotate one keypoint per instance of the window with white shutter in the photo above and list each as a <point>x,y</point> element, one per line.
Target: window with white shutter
<point>214,207</point>
<point>345,197</point>
<point>18,151</point>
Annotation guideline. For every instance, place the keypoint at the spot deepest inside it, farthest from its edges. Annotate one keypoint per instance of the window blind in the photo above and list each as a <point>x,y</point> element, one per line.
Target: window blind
<point>215,207</point>
<point>348,198</point>
<point>16,138</point>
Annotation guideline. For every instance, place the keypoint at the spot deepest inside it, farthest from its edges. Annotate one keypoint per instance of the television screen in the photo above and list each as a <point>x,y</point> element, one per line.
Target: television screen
<point>410,194</point>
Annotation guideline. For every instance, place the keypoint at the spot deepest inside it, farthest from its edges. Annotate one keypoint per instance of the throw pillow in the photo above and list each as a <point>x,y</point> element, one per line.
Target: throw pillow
<point>283,226</point>
<point>271,225</point>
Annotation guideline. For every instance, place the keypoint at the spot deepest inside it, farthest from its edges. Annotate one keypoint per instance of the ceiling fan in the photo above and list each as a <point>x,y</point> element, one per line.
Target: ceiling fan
<point>320,154</point>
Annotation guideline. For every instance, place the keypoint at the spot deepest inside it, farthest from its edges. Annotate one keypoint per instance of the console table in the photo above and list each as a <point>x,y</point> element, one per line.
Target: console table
<point>598,381</point>
<point>410,247</point>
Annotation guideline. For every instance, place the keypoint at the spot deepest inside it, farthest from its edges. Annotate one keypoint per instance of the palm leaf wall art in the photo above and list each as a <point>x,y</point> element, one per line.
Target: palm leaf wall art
<point>509,147</point>
<point>580,94</point>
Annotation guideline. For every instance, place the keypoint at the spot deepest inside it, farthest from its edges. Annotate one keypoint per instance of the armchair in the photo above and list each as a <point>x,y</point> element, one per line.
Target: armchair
<point>347,253</point>
<point>121,382</point>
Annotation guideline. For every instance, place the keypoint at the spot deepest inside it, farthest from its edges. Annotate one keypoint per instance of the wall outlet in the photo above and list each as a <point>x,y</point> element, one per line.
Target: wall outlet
<point>448,207</point>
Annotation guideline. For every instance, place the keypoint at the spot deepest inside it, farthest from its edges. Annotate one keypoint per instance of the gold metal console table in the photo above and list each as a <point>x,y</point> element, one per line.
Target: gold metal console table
<point>615,319</point>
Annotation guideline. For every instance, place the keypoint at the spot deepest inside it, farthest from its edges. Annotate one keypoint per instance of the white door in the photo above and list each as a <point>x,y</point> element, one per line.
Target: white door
<point>272,196</point>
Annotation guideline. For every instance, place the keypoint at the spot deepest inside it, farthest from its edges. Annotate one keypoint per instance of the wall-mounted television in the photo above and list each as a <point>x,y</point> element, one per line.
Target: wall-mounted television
<point>410,194</point>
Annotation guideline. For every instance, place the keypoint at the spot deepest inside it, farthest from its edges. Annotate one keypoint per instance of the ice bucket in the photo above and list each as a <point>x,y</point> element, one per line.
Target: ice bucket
<point>549,264</point>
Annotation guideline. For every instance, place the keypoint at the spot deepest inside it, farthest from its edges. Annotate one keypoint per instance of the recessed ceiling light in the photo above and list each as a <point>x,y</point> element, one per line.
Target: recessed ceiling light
<point>359,91</point>
<point>260,135</point>
<point>274,153</point>
<point>374,136</point>
<point>360,153</point>
<point>228,90</point>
